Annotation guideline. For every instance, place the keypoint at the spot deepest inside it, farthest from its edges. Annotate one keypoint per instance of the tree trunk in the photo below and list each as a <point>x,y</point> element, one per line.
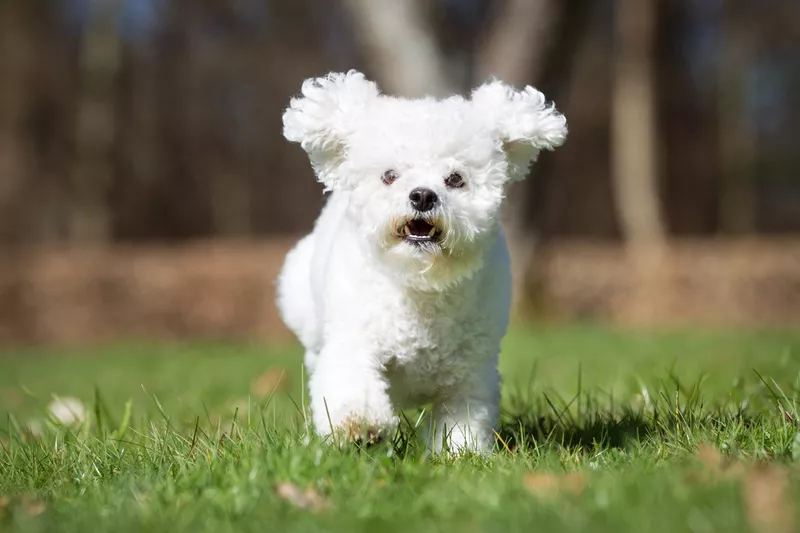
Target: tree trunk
<point>514,51</point>
<point>92,170</point>
<point>634,157</point>
<point>401,47</point>
<point>737,141</point>
<point>516,47</point>
<point>633,126</point>
<point>15,50</point>
<point>231,198</point>
<point>531,42</point>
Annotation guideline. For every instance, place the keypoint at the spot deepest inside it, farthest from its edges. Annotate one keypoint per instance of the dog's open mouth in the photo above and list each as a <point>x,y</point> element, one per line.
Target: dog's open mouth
<point>418,231</point>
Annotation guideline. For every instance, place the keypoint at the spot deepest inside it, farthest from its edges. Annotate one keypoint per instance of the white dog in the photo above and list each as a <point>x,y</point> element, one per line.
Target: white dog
<point>401,293</point>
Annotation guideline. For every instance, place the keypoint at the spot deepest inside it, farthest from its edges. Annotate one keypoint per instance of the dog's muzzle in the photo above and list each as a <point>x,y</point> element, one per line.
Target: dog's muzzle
<point>418,231</point>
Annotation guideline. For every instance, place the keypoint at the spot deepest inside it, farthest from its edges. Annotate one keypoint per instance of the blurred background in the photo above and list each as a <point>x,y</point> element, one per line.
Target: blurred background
<point>146,189</point>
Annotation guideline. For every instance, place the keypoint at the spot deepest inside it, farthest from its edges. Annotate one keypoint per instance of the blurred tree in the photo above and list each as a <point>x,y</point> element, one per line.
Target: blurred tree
<point>737,138</point>
<point>160,119</point>
<point>634,129</point>
<point>687,116</point>
<point>228,55</point>
<point>635,165</point>
<point>92,169</point>
<point>532,42</point>
<point>15,60</point>
<point>182,108</point>
<point>401,47</point>
<point>139,171</point>
<point>524,32</point>
<point>36,66</point>
<point>516,54</point>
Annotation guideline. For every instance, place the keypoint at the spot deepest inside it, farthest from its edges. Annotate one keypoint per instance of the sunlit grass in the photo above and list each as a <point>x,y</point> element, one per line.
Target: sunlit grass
<point>601,431</point>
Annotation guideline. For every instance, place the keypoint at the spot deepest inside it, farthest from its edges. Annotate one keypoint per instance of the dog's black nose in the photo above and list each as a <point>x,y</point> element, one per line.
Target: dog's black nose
<point>423,199</point>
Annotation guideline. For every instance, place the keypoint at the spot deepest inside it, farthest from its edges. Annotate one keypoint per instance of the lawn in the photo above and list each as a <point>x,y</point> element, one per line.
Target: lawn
<point>603,431</point>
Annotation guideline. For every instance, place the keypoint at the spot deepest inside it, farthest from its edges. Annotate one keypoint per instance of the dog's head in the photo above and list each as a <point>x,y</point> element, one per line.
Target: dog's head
<point>426,177</point>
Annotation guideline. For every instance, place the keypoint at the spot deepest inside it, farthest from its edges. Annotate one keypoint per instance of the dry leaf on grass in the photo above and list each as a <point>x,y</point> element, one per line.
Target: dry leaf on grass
<point>710,457</point>
<point>68,410</point>
<point>546,484</point>
<point>271,381</point>
<point>33,430</point>
<point>304,499</point>
<point>243,405</point>
<point>33,507</point>
<point>716,466</point>
<point>768,500</point>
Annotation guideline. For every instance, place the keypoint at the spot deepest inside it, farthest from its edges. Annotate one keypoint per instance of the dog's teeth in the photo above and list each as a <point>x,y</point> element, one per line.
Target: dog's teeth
<point>406,230</point>
<point>432,231</point>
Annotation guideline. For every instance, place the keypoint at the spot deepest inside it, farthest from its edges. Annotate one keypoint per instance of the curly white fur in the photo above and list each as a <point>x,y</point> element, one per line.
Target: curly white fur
<point>387,323</point>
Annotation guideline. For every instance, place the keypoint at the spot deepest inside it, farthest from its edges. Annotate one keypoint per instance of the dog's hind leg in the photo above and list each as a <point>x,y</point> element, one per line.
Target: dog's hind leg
<point>465,420</point>
<point>294,295</point>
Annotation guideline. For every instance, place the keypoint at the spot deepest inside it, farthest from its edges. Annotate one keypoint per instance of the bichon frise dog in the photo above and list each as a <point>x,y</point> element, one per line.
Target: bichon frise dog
<point>401,293</point>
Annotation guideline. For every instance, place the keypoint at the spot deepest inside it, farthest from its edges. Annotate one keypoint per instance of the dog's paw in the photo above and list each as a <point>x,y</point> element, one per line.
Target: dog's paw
<point>363,433</point>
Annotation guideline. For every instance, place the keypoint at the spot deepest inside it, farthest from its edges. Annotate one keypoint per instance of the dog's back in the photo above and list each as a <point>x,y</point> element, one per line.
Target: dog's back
<point>302,274</point>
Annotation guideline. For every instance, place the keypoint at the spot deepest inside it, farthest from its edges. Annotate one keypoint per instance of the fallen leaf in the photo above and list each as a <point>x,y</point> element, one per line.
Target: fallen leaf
<point>33,430</point>
<point>67,410</point>
<point>33,506</point>
<point>242,404</point>
<point>768,500</point>
<point>716,466</point>
<point>304,499</point>
<point>710,457</point>
<point>272,380</point>
<point>546,484</point>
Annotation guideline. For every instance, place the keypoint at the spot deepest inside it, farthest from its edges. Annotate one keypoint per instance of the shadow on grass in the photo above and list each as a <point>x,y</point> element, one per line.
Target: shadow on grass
<point>626,427</point>
<point>671,414</point>
<point>600,431</point>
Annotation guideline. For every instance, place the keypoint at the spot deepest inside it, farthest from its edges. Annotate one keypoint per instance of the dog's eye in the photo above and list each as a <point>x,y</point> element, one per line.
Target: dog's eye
<point>389,176</point>
<point>454,180</point>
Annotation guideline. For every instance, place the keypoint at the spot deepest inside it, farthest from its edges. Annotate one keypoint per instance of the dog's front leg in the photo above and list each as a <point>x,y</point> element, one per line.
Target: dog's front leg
<point>349,395</point>
<point>465,420</point>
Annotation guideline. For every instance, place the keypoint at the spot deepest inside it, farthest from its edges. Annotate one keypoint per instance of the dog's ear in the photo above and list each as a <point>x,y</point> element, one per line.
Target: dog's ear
<point>522,121</point>
<point>322,119</point>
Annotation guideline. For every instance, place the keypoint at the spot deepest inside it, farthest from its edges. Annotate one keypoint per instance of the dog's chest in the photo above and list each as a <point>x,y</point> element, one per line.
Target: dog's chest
<point>423,345</point>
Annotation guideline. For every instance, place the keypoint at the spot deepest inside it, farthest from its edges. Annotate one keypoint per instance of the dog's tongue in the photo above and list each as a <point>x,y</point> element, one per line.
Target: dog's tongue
<point>419,228</point>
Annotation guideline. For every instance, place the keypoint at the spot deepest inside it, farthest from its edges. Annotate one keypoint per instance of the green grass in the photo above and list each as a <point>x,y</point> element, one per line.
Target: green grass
<point>609,422</point>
